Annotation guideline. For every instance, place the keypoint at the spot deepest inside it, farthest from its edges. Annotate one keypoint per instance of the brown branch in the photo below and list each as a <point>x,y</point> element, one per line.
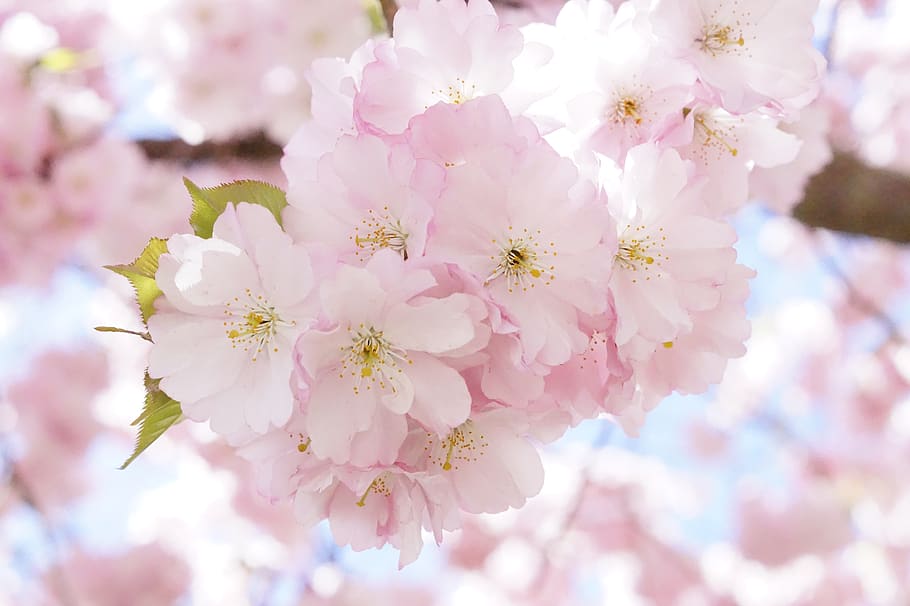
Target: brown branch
<point>389,8</point>
<point>257,146</point>
<point>850,196</point>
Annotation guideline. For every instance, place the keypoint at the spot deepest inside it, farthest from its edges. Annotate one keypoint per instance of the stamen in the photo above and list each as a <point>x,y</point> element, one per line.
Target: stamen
<point>593,355</point>
<point>716,39</point>
<point>448,462</point>
<point>627,107</point>
<point>363,498</point>
<point>381,231</point>
<point>462,445</point>
<point>519,257</point>
<point>639,250</point>
<point>458,93</point>
<point>727,29</point>
<point>378,486</point>
<point>254,323</point>
<point>713,135</point>
<point>371,359</point>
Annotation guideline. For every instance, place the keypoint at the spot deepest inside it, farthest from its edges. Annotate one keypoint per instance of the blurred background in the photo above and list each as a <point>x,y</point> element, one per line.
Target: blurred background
<point>788,484</point>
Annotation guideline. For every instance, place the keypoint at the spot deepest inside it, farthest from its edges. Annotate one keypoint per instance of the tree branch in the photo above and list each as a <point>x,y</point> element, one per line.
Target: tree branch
<point>257,146</point>
<point>851,197</point>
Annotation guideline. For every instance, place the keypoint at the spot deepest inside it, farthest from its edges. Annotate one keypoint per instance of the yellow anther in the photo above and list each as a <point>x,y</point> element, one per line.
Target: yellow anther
<point>712,135</point>
<point>447,465</point>
<point>519,258</point>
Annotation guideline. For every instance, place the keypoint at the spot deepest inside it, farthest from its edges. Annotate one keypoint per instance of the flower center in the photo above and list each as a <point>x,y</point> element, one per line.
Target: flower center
<point>378,486</point>
<point>627,108</point>
<point>639,251</point>
<point>380,231</point>
<point>457,93</point>
<point>252,323</point>
<point>519,261</point>
<point>462,445</point>
<point>716,39</point>
<point>372,360</point>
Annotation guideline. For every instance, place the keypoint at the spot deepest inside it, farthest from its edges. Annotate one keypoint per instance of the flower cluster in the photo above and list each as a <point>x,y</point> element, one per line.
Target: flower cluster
<point>490,234</point>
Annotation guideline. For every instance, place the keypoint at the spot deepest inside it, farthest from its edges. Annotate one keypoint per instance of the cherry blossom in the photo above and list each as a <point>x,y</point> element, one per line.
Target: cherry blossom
<point>232,308</point>
<point>538,267</point>
<point>671,253</point>
<point>636,89</point>
<point>751,53</point>
<point>442,52</point>
<point>488,461</point>
<point>365,197</point>
<point>376,358</point>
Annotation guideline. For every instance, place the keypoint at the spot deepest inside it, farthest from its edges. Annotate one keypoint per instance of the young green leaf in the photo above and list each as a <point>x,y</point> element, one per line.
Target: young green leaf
<point>210,202</point>
<point>141,274</point>
<point>158,415</point>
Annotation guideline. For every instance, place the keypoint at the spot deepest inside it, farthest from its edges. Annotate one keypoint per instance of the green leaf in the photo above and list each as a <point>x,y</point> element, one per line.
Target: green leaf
<point>158,415</point>
<point>210,202</point>
<point>141,274</point>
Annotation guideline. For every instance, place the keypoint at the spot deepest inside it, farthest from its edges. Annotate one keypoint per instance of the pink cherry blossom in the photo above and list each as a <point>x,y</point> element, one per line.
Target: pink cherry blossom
<point>781,187</point>
<point>25,140</point>
<point>489,462</point>
<point>774,533</point>
<point>455,134</point>
<point>724,148</point>
<point>366,196</point>
<point>334,83</point>
<point>752,53</point>
<point>385,505</point>
<point>84,193</point>
<point>671,256</point>
<point>376,358</point>
<point>231,311</point>
<point>448,51</point>
<point>494,219</point>
<point>696,359</point>
<point>145,575</point>
<point>583,385</point>
<point>54,401</point>
<point>635,89</point>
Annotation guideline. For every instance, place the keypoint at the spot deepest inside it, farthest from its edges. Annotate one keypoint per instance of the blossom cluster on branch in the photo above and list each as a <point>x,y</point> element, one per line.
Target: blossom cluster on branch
<point>490,234</point>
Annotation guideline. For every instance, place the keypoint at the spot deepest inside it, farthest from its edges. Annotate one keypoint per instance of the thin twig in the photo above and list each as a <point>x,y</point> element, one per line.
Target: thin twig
<point>866,305</point>
<point>61,584</point>
<point>573,507</point>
